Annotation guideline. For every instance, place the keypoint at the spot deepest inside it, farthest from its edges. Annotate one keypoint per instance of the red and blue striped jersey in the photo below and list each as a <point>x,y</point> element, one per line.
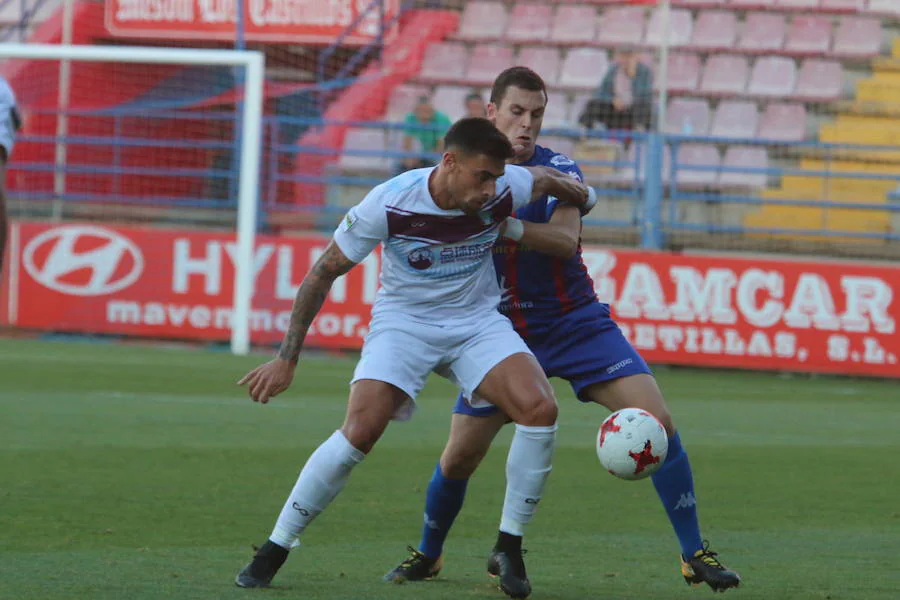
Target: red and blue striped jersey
<point>537,289</point>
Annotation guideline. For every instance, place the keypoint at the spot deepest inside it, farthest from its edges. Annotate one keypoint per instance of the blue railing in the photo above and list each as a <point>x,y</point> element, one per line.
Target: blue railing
<point>646,188</point>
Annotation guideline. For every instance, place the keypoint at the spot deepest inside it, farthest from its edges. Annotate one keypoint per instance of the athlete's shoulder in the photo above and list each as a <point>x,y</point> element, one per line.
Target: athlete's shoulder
<point>557,160</point>
<point>407,188</point>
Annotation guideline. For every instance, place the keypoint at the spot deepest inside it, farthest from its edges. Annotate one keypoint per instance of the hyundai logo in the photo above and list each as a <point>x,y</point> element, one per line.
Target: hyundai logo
<point>111,261</point>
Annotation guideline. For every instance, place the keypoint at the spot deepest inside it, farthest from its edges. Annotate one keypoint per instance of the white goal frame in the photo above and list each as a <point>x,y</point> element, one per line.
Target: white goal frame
<point>253,63</point>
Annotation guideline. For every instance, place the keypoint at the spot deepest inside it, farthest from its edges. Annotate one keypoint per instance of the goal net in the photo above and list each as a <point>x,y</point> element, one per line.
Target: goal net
<point>124,155</point>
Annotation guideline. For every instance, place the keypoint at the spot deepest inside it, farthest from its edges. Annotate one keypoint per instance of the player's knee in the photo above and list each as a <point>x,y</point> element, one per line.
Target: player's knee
<point>541,411</point>
<point>361,435</point>
<point>460,463</point>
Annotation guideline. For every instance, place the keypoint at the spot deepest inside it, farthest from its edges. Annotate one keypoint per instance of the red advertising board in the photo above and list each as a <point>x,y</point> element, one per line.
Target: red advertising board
<point>286,21</point>
<point>831,317</point>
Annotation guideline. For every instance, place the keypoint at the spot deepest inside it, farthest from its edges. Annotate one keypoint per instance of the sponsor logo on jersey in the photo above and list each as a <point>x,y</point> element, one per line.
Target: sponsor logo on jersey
<point>83,260</point>
<point>469,252</point>
<point>420,258</point>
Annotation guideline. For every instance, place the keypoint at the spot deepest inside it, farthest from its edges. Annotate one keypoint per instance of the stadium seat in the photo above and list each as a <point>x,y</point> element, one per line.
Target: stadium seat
<point>683,73</point>
<point>783,122</point>
<point>806,5</point>
<point>579,101</point>
<point>715,30</point>
<point>809,35</point>
<point>773,76</point>
<point>583,68</point>
<point>621,25</point>
<point>725,75</point>
<point>705,156</point>
<point>884,7</point>
<point>819,81</point>
<point>681,25</point>
<point>369,140</point>
<point>557,111</point>
<point>545,61</point>
<point>858,37</point>
<point>482,21</point>
<point>444,61</point>
<point>403,99</point>
<point>574,25</point>
<point>636,168</point>
<point>687,116</point>
<point>486,61</point>
<point>750,4</point>
<point>843,5</point>
<point>745,157</point>
<point>735,119</point>
<point>763,33</point>
<point>451,100</point>
<point>529,22</point>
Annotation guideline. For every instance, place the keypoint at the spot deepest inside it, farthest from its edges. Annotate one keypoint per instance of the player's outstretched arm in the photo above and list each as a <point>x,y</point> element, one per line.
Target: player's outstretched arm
<point>559,237</point>
<point>270,379</point>
<point>551,182</point>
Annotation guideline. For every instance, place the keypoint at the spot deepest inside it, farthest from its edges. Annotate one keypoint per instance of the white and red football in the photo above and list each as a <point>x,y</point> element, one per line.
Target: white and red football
<point>632,444</point>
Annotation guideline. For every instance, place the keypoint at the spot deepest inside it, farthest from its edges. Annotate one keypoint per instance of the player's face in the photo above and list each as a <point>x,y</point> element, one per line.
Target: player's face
<point>472,180</point>
<point>520,115</point>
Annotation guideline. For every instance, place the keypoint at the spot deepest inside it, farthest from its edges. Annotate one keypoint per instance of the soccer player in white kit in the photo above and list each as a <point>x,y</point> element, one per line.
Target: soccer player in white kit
<point>436,311</point>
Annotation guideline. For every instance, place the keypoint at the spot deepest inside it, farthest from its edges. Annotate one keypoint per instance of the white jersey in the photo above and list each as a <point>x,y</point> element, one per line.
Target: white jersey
<point>9,118</point>
<point>437,263</point>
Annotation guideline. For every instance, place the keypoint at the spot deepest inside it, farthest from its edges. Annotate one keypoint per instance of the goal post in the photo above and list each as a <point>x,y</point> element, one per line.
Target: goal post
<point>248,126</point>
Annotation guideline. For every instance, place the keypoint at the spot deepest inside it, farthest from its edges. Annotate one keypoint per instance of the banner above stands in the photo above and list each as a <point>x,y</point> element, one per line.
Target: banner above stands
<point>277,21</point>
<point>698,310</point>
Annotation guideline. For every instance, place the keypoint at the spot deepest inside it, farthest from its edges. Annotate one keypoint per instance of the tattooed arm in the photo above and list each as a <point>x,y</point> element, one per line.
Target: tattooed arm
<point>272,378</point>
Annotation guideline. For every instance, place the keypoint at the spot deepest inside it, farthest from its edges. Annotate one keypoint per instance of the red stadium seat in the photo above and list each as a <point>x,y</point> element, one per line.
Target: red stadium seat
<point>403,99</point>
<point>809,36</point>
<point>683,72</point>
<point>773,77</point>
<point>583,68</point>
<point>735,119</point>
<point>451,100</point>
<point>725,75</point>
<point>705,156</point>
<point>715,30</point>
<point>529,22</point>
<point>543,60</point>
<point>687,116</point>
<point>858,37</point>
<point>370,140</point>
<point>745,157</point>
<point>763,33</point>
<point>482,21</point>
<point>574,25</point>
<point>783,122</point>
<point>805,5</point>
<point>444,61</point>
<point>557,111</point>
<point>486,61</point>
<point>819,81</point>
<point>681,25</point>
<point>621,25</point>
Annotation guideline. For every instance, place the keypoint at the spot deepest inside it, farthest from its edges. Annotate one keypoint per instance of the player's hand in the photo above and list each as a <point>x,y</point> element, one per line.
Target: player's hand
<point>268,380</point>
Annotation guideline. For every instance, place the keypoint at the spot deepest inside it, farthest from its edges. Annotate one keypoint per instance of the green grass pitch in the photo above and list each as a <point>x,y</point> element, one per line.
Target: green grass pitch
<point>134,472</point>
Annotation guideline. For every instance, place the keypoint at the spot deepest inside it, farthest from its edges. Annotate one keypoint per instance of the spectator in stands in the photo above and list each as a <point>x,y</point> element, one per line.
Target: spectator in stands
<point>624,98</point>
<point>424,132</point>
<point>475,106</point>
<point>9,124</point>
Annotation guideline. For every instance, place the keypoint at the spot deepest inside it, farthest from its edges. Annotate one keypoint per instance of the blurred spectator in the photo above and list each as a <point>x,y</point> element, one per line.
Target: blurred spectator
<point>424,132</point>
<point>475,106</point>
<point>625,96</point>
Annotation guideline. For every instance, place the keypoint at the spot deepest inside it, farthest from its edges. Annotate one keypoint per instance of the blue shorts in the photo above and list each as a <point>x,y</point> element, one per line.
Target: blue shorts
<point>584,347</point>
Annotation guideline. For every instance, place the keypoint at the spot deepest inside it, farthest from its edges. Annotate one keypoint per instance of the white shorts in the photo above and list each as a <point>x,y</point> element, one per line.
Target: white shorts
<point>403,353</point>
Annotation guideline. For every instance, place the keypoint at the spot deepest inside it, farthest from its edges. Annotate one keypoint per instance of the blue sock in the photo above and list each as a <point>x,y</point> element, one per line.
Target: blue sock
<point>675,486</point>
<point>443,501</point>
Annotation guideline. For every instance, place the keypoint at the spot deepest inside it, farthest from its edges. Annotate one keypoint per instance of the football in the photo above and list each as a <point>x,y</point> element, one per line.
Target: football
<point>632,444</point>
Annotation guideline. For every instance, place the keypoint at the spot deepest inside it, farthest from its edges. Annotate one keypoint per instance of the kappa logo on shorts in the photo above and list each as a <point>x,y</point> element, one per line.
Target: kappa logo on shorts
<point>420,258</point>
<point>619,365</point>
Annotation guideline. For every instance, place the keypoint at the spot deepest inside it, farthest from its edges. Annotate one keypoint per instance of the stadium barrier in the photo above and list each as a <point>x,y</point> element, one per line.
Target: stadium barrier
<point>698,309</point>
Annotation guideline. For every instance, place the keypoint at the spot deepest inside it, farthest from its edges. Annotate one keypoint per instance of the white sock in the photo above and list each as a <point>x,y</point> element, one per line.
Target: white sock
<point>321,480</point>
<point>527,468</point>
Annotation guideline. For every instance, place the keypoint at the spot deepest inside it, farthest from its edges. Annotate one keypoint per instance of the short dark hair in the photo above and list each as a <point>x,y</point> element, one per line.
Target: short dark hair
<point>474,135</point>
<point>520,77</point>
